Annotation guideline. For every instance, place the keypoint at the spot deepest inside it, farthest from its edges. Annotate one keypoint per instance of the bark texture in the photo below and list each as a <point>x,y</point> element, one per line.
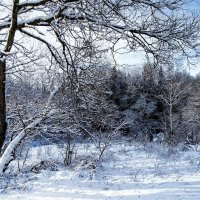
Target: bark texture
<point>3,123</point>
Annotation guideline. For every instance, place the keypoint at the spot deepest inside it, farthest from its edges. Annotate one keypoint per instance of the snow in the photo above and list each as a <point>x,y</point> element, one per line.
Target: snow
<point>29,1</point>
<point>129,171</point>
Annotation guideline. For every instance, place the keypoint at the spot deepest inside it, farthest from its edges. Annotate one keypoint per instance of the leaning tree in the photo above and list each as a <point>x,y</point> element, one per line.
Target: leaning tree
<point>163,29</point>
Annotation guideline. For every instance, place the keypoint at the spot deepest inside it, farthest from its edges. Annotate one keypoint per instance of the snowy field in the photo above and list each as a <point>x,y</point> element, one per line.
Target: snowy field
<point>129,171</point>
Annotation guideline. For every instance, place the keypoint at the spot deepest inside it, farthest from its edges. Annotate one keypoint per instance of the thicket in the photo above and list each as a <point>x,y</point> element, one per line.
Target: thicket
<point>156,104</point>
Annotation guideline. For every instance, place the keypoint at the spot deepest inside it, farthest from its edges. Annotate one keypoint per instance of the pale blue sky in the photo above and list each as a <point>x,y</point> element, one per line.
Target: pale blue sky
<point>196,2</point>
<point>138,57</point>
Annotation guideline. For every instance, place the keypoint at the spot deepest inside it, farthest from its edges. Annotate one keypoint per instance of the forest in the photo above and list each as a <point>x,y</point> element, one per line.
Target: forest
<point>150,105</point>
<point>69,108</point>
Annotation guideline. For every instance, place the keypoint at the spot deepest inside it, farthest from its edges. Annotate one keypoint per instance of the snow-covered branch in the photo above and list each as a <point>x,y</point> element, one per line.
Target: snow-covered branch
<point>7,155</point>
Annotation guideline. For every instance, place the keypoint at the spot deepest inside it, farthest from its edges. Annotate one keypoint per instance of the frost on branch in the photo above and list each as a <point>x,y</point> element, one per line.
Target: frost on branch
<point>7,154</point>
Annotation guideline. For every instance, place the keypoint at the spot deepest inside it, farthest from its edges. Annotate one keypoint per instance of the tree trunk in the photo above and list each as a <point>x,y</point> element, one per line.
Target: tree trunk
<point>3,123</point>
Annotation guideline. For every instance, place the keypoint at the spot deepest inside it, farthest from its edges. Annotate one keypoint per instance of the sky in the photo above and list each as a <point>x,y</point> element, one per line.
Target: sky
<point>137,58</point>
<point>196,2</point>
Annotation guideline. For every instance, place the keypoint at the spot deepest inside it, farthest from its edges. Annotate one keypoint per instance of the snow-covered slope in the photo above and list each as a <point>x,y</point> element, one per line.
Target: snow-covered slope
<point>129,171</point>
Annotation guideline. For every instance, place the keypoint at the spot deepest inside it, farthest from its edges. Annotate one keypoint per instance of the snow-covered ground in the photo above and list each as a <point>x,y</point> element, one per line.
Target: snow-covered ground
<point>129,171</point>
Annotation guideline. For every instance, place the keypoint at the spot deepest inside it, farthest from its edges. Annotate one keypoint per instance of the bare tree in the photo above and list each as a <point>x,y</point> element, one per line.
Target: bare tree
<point>174,95</point>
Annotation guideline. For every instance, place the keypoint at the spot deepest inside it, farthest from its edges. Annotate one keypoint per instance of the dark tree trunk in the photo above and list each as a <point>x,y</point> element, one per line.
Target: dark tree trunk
<point>3,123</point>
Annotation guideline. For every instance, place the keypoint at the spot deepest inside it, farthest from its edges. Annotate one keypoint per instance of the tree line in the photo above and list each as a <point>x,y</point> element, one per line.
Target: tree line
<point>156,103</point>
